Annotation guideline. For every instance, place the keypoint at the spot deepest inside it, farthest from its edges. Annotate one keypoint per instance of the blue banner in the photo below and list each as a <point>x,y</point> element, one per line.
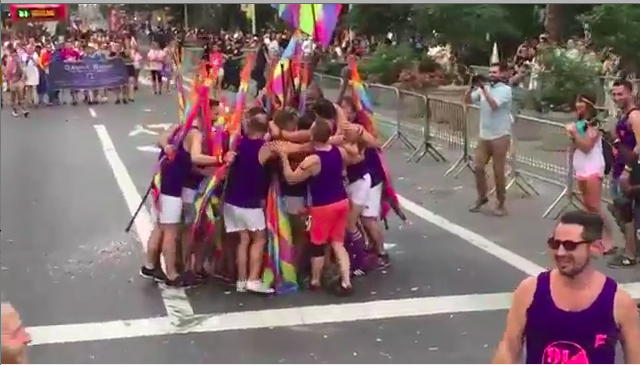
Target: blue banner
<point>87,74</point>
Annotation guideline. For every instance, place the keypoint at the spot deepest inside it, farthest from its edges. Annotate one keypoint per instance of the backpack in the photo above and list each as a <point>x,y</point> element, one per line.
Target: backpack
<point>608,150</point>
<point>607,153</point>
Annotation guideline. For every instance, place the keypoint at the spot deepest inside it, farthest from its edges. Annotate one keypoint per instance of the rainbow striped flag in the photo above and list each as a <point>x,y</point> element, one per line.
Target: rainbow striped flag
<point>203,201</point>
<point>317,20</point>
<point>279,269</point>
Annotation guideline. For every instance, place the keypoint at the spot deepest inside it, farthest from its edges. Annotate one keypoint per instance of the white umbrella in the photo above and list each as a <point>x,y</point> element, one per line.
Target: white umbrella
<point>495,58</point>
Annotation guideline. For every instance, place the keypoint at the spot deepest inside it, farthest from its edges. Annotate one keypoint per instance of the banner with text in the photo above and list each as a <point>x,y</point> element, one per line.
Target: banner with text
<point>87,74</point>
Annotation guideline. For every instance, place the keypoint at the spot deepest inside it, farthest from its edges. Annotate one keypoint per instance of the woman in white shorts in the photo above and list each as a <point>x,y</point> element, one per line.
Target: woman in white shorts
<point>588,160</point>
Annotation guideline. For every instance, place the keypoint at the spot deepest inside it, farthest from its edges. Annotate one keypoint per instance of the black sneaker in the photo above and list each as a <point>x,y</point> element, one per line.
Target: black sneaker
<point>181,281</point>
<point>125,101</point>
<point>117,101</point>
<point>15,113</point>
<point>74,103</point>
<point>155,274</point>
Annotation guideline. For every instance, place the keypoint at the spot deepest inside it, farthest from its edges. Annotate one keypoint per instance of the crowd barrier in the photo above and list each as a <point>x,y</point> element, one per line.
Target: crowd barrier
<point>540,148</point>
<point>87,74</point>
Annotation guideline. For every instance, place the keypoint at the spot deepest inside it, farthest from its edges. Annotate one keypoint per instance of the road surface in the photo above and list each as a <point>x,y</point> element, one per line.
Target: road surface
<point>71,176</point>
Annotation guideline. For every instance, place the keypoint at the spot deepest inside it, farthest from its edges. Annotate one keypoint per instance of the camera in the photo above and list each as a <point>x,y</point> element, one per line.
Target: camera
<point>477,80</point>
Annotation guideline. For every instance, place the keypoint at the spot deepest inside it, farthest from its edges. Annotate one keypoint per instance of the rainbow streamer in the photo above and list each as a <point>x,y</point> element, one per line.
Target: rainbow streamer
<point>279,269</point>
<point>365,117</point>
<point>234,131</point>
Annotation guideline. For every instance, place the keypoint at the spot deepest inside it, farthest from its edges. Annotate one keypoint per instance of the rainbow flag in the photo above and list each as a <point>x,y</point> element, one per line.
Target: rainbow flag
<point>290,13</point>
<point>204,200</point>
<point>279,269</point>
<point>317,20</point>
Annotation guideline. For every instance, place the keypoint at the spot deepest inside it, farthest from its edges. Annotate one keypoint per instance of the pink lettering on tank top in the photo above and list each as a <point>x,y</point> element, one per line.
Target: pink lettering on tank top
<point>564,352</point>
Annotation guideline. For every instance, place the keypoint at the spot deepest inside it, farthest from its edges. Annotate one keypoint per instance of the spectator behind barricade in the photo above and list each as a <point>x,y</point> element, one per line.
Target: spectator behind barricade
<point>14,337</point>
<point>494,100</point>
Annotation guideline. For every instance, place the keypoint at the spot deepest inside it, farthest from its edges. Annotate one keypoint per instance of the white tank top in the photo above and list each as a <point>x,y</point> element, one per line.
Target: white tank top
<point>590,163</point>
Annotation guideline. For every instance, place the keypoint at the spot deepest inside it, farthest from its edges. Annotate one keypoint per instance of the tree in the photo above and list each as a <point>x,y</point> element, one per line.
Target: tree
<point>553,21</point>
<point>374,19</point>
<point>616,26</point>
<point>465,27</point>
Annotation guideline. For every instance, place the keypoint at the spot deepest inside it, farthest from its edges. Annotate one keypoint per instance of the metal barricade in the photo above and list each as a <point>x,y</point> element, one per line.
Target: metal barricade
<point>414,111</point>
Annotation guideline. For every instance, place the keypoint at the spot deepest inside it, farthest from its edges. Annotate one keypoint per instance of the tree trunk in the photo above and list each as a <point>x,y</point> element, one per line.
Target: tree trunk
<point>553,22</point>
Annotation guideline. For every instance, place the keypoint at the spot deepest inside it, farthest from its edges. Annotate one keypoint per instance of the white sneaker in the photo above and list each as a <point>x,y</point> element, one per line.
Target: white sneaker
<point>255,286</point>
<point>241,286</point>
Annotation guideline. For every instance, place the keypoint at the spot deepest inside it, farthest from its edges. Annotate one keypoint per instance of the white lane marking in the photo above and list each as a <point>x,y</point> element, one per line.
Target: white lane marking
<point>150,148</point>
<point>175,300</point>
<point>492,248</point>
<point>93,113</point>
<point>389,246</point>
<point>309,315</point>
<point>140,129</point>
<point>164,126</point>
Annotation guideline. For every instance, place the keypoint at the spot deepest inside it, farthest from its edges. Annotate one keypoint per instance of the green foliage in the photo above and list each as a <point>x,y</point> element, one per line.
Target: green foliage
<point>616,26</point>
<point>374,19</point>
<point>427,64</point>
<point>565,77</point>
<point>463,25</point>
<point>387,62</point>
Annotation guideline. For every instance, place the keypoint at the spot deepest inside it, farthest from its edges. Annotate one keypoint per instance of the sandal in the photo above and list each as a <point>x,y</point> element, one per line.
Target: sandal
<point>622,261</point>
<point>479,204</point>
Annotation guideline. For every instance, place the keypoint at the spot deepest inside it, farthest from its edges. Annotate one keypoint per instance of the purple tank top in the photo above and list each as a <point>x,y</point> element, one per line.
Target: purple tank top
<point>625,134</point>
<point>328,186</point>
<point>374,167</point>
<point>174,173</point>
<point>554,336</point>
<point>247,176</point>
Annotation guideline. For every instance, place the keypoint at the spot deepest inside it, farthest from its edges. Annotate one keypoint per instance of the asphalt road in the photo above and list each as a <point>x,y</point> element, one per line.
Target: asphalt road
<point>71,178</point>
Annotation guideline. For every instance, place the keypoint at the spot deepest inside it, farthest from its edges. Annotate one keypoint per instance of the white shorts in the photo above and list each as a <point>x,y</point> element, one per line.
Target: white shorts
<point>294,204</point>
<point>169,211</point>
<point>238,219</point>
<point>373,204</point>
<point>359,190</point>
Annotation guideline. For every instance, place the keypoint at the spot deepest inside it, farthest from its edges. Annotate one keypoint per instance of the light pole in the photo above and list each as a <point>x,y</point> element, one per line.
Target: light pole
<point>186,16</point>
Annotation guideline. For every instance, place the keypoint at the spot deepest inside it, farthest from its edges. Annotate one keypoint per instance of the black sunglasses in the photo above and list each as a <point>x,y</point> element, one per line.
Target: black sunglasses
<point>568,245</point>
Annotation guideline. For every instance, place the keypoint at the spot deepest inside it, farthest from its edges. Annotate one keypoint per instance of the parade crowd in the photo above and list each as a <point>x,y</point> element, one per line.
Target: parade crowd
<point>326,161</point>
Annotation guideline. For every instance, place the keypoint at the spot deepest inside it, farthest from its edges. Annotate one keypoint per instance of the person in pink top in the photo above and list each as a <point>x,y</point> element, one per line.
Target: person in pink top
<point>155,63</point>
<point>70,54</point>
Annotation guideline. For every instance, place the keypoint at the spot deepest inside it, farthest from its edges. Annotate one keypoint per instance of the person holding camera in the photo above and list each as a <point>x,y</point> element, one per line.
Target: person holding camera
<point>494,100</point>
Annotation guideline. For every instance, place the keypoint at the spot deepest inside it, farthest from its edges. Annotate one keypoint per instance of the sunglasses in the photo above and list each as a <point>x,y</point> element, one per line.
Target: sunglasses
<point>568,245</point>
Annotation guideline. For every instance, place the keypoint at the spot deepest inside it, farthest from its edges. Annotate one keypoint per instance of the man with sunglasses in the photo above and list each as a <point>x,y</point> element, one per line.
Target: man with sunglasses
<point>572,314</point>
